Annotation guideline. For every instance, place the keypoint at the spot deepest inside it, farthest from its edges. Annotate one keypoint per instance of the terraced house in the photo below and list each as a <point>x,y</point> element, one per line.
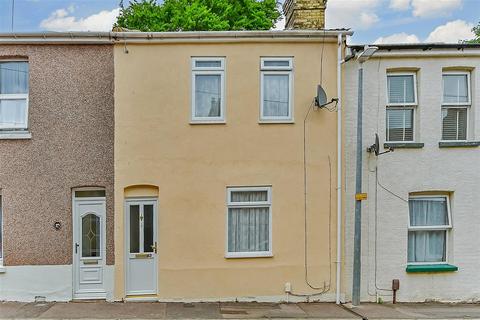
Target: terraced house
<point>56,167</point>
<point>225,171</point>
<point>420,222</point>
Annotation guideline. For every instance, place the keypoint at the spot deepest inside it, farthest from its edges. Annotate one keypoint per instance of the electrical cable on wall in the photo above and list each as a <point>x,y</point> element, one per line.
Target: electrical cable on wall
<point>378,183</point>
<point>325,288</point>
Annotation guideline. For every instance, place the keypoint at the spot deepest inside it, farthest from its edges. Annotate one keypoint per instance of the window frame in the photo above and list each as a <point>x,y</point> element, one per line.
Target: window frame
<point>458,105</point>
<point>277,70</point>
<point>413,124</point>
<point>415,94</point>
<point>447,228</point>
<point>208,71</point>
<point>402,106</point>
<point>264,204</point>
<point>17,96</point>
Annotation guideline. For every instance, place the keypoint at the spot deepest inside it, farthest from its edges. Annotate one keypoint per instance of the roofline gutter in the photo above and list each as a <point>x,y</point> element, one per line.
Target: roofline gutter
<point>170,37</point>
<point>471,52</point>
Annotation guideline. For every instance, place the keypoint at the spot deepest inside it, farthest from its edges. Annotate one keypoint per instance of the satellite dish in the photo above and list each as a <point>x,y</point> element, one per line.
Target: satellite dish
<point>375,148</point>
<point>321,98</point>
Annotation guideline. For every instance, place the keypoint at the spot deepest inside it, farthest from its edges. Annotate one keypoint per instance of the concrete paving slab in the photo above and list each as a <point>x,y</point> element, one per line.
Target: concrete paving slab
<point>287,311</point>
<point>9,309</point>
<point>193,311</point>
<point>23,310</point>
<point>105,310</point>
<point>255,310</point>
<point>419,311</point>
<point>326,311</point>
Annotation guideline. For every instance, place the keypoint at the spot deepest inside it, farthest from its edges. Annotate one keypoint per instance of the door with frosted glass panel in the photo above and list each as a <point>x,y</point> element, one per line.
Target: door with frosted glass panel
<point>89,248</point>
<point>141,234</point>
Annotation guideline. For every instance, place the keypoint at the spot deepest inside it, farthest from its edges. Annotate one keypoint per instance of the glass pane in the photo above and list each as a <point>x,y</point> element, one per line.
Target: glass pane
<point>90,236</point>
<point>207,95</point>
<point>148,228</point>
<point>89,193</point>
<point>275,95</point>
<point>249,196</point>
<point>276,63</point>
<point>455,88</point>
<point>13,77</point>
<point>134,228</point>
<point>454,126</point>
<point>208,64</point>
<point>428,211</point>
<point>427,246</point>
<point>248,229</point>
<point>401,89</point>
<point>12,113</point>
<point>399,124</point>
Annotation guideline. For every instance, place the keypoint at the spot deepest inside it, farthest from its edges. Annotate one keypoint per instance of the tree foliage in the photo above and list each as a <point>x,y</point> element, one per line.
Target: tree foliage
<point>476,30</point>
<point>199,15</point>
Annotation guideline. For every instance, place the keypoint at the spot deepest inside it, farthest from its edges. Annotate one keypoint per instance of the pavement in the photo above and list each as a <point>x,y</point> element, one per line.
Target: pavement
<point>235,310</point>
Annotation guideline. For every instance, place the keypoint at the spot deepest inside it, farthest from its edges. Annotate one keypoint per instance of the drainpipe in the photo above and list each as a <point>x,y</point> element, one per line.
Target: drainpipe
<point>339,169</point>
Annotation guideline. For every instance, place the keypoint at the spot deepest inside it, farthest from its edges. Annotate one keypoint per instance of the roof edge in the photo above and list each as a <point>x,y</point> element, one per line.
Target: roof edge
<point>217,36</point>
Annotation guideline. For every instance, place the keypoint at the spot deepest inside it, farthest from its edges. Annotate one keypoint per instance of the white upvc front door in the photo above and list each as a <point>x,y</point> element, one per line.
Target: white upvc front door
<point>89,254</point>
<point>141,247</point>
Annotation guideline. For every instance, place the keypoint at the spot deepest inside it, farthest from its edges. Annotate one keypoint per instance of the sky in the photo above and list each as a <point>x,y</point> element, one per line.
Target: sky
<point>373,21</point>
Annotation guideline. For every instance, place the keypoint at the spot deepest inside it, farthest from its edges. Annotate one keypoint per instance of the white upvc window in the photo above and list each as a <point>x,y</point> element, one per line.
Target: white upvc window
<point>456,101</point>
<point>276,92</point>
<point>401,105</point>
<point>14,95</point>
<point>249,222</point>
<point>430,222</point>
<point>208,90</point>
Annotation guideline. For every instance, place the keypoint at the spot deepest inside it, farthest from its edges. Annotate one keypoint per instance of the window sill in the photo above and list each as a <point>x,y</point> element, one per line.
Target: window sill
<point>429,268</point>
<point>243,255</point>
<point>459,144</point>
<point>403,145</point>
<point>276,122</point>
<point>207,122</point>
<point>15,135</point>
<point>2,269</point>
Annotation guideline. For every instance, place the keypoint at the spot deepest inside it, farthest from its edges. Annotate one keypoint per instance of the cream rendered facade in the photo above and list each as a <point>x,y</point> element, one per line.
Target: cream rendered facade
<point>187,167</point>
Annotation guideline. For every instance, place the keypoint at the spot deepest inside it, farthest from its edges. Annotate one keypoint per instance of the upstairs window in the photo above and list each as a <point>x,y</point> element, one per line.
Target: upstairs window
<point>401,103</point>
<point>13,95</point>
<point>276,89</point>
<point>455,105</point>
<point>429,223</point>
<point>208,89</point>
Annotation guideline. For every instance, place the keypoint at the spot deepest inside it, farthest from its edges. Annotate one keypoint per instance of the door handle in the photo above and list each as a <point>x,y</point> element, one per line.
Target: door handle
<point>76,247</point>
<point>154,247</point>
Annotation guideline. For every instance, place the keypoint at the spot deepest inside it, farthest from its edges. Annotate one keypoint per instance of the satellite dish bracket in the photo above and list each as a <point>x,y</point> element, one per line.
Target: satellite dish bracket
<point>375,148</point>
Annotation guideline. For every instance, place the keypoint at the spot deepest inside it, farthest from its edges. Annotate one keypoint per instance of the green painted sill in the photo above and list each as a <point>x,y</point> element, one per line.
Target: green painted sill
<point>431,268</point>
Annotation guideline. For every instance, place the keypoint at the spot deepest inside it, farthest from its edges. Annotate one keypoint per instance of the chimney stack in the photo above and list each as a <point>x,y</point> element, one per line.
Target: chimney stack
<point>304,14</point>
